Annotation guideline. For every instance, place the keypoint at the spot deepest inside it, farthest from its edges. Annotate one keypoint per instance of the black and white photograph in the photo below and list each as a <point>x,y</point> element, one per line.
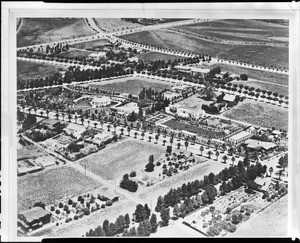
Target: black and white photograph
<point>150,120</point>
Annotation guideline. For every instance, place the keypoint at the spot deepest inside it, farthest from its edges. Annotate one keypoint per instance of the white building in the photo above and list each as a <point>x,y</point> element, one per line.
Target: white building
<point>170,95</point>
<point>240,137</point>
<point>190,112</point>
<point>75,130</point>
<point>100,101</point>
<point>128,108</point>
<point>97,56</point>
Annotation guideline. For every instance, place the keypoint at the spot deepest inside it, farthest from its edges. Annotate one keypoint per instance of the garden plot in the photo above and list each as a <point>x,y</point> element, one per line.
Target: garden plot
<point>260,114</point>
<point>51,185</point>
<point>122,158</point>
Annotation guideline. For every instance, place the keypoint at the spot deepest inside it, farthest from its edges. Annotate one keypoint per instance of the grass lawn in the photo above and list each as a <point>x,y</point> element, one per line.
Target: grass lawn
<point>27,70</point>
<point>244,29</point>
<point>259,113</point>
<point>187,127</point>
<point>115,24</point>
<point>153,56</point>
<point>262,55</point>
<point>273,222</point>
<point>275,78</point>
<point>51,185</point>
<point>122,157</point>
<point>90,44</point>
<point>132,85</point>
<point>42,30</point>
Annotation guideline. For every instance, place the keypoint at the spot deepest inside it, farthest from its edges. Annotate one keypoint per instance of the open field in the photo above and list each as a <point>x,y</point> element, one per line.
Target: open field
<point>115,24</point>
<point>42,30</point>
<point>265,86</point>
<point>131,85</point>
<point>271,77</point>
<point>153,56</point>
<point>193,173</point>
<point>90,44</point>
<point>74,53</point>
<point>244,29</point>
<point>259,113</point>
<point>31,70</point>
<point>29,151</point>
<point>194,102</point>
<point>121,158</point>
<point>270,222</point>
<point>51,185</point>
<point>258,54</point>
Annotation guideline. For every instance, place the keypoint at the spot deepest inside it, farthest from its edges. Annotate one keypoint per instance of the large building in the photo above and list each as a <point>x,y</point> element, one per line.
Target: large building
<point>128,108</point>
<point>256,145</point>
<point>100,101</point>
<point>239,137</point>
<point>75,130</point>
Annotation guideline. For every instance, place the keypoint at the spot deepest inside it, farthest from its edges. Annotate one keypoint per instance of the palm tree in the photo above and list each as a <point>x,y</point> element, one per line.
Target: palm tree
<point>75,119</point>
<point>135,134</point>
<point>47,112</point>
<point>156,138</point>
<point>225,158</point>
<point>178,145</point>
<point>128,130</point>
<point>201,149</point>
<point>122,131</point>
<point>95,124</point>
<point>164,142</point>
<point>42,113</point>
<point>69,117</point>
<point>88,121</point>
<point>82,120</point>
<point>271,171</point>
<point>35,110</point>
<point>57,115</point>
<point>217,154</point>
<point>150,139</point>
<point>29,110</point>
<point>115,126</point>
<point>101,123</point>
<point>186,144</point>
<point>171,141</point>
<point>209,153</point>
<point>232,159</point>
<point>239,150</point>
<point>142,135</point>
<point>108,128</point>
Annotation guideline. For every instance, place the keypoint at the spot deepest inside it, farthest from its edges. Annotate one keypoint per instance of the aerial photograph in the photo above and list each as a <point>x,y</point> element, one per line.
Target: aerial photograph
<point>152,127</point>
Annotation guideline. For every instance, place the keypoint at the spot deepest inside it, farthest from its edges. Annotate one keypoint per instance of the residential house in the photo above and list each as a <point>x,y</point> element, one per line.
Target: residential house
<point>75,129</point>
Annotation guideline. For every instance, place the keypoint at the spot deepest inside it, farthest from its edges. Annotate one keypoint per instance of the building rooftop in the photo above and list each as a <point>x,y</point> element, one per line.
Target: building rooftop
<point>34,213</point>
<point>256,144</point>
<point>229,98</point>
<point>240,135</point>
<point>101,99</point>
<point>49,122</point>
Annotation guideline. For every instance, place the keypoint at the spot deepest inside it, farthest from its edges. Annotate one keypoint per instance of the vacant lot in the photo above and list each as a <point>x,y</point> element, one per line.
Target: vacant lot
<point>153,56</point>
<point>193,173</point>
<point>115,24</point>
<point>131,85</point>
<point>42,30</point>
<point>121,158</point>
<point>91,44</point>
<point>244,29</point>
<point>259,113</point>
<point>272,222</point>
<point>51,185</point>
<point>265,86</point>
<point>27,70</point>
<point>275,78</point>
<point>259,54</point>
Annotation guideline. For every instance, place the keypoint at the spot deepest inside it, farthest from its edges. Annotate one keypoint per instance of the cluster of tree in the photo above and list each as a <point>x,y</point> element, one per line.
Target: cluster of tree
<point>111,229</point>
<point>150,165</point>
<point>128,184</point>
<point>58,48</point>
<point>145,228</point>
<point>28,121</point>
<point>141,213</point>
<point>283,161</point>
<point>212,108</point>
<point>54,79</point>
<point>244,77</point>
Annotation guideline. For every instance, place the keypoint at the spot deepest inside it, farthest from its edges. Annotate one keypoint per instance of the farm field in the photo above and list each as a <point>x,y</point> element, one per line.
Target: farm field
<point>193,173</point>
<point>90,44</point>
<point>261,114</point>
<point>121,158</point>
<point>265,86</point>
<point>244,29</point>
<point>262,55</point>
<point>275,78</point>
<point>27,70</point>
<point>51,185</point>
<point>42,30</point>
<point>270,222</point>
<point>153,56</point>
<point>115,24</point>
<point>131,85</point>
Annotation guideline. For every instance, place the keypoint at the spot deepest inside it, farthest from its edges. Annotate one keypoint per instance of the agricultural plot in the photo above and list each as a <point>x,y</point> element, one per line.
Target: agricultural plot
<point>42,30</point>
<point>244,29</point>
<point>121,158</point>
<point>154,56</point>
<point>270,222</point>
<point>91,44</point>
<point>51,185</point>
<point>115,24</point>
<point>131,85</point>
<point>272,78</point>
<point>261,114</point>
<point>32,70</point>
